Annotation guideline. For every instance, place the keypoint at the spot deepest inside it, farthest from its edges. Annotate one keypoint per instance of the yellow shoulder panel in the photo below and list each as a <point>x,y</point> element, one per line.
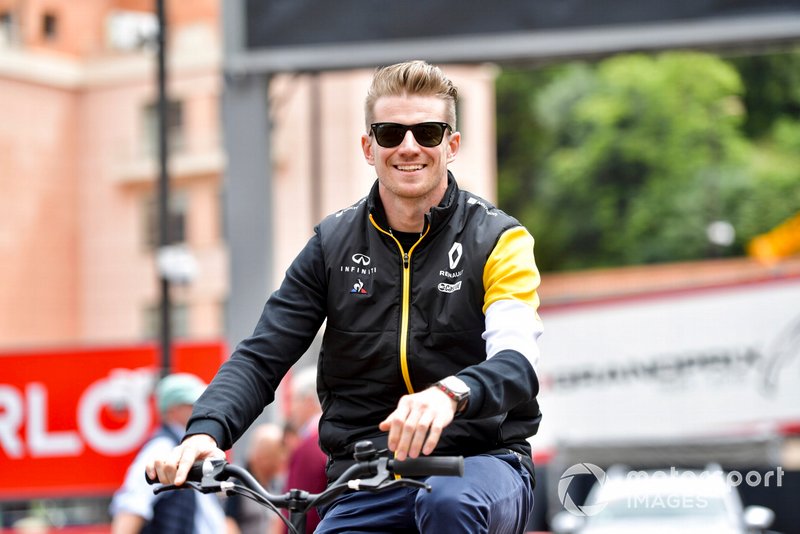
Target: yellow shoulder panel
<point>510,272</point>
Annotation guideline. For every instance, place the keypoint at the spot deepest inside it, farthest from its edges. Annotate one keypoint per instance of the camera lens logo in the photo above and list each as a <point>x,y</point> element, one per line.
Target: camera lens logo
<point>563,487</point>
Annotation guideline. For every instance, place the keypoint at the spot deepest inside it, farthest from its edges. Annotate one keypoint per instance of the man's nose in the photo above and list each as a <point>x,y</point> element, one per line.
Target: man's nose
<point>409,141</point>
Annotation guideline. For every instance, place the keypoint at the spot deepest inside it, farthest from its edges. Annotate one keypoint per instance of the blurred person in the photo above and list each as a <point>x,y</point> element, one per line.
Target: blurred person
<point>134,508</point>
<point>429,295</point>
<point>305,410</point>
<point>306,461</point>
<point>266,461</point>
<point>291,437</point>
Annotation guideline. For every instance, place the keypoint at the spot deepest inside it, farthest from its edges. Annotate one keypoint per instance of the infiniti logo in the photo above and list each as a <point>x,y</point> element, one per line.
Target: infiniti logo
<point>361,266</point>
<point>361,259</point>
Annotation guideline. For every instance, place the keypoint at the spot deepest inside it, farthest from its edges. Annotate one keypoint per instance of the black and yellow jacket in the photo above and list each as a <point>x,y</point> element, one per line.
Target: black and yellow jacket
<point>460,301</point>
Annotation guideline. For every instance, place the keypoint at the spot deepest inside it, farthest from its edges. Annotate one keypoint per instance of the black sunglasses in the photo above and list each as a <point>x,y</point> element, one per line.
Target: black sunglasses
<point>391,134</point>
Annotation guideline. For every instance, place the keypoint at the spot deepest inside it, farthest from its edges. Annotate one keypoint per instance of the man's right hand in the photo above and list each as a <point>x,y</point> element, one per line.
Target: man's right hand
<point>174,468</point>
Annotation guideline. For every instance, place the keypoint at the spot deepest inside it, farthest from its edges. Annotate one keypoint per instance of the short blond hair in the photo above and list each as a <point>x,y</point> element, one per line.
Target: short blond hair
<point>416,78</point>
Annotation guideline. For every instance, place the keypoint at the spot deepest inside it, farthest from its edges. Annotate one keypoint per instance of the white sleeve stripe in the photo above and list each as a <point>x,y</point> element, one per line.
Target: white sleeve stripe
<point>513,325</point>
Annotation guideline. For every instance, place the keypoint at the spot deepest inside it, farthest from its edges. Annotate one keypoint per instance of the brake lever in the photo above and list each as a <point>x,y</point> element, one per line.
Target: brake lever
<point>208,483</point>
<point>186,485</point>
<point>374,482</point>
<point>383,479</point>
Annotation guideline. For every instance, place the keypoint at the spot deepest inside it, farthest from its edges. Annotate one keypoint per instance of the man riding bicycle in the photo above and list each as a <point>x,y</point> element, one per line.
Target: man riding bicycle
<point>429,293</point>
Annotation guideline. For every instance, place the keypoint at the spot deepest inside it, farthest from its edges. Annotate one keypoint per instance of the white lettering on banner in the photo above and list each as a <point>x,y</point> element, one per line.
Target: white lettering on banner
<point>724,357</point>
<point>40,441</point>
<point>10,420</point>
<point>123,388</point>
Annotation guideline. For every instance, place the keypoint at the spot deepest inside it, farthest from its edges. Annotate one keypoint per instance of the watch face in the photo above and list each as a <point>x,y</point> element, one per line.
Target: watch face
<point>455,385</point>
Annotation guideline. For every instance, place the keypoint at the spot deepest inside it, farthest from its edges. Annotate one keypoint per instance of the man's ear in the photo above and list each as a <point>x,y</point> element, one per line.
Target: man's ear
<point>366,146</point>
<point>453,144</point>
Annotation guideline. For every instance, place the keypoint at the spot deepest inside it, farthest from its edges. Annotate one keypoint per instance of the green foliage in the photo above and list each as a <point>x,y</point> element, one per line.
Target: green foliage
<point>773,89</point>
<point>629,160</point>
<point>774,195</point>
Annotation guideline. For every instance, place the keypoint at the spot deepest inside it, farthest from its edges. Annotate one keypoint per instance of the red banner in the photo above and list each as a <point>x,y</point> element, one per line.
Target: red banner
<point>71,421</point>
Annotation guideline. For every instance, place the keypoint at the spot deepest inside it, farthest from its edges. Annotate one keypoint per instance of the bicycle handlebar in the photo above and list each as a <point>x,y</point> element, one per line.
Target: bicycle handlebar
<point>411,467</point>
<point>195,474</point>
<point>371,471</point>
<point>429,466</point>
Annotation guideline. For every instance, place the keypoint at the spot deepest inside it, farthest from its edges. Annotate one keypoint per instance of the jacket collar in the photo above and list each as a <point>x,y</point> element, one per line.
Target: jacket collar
<point>435,218</point>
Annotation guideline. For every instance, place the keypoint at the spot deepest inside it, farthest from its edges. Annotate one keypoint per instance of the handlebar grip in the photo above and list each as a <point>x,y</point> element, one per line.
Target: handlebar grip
<point>429,466</point>
<point>195,474</point>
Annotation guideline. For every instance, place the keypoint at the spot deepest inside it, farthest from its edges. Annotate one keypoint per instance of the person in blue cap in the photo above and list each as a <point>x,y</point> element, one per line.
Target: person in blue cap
<point>135,508</point>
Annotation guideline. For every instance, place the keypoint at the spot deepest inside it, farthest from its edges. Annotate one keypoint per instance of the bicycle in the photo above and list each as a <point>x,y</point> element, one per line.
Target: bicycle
<point>212,476</point>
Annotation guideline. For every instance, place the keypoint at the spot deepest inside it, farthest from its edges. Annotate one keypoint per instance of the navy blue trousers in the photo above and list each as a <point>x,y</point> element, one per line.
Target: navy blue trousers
<point>494,495</point>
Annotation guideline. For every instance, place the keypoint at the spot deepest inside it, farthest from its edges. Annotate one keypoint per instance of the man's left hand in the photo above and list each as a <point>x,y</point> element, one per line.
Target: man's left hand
<point>416,424</point>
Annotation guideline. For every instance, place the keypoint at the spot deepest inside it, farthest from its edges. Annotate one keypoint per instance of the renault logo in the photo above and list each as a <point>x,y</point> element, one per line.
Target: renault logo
<point>454,255</point>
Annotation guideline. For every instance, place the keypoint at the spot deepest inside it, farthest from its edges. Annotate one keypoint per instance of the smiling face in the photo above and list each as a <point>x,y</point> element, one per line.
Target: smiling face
<point>411,172</point>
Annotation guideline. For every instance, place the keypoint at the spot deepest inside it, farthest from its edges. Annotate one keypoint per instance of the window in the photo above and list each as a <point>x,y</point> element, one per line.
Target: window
<point>175,133</point>
<point>131,30</point>
<point>178,208</point>
<point>49,26</point>
<point>7,28</point>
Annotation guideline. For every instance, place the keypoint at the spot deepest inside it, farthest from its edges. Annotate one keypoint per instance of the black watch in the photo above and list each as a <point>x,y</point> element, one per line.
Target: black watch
<point>456,389</point>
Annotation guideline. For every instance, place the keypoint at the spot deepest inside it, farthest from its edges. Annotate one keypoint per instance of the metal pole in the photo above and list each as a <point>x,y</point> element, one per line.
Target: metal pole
<point>164,237</point>
<point>315,131</point>
<point>248,195</point>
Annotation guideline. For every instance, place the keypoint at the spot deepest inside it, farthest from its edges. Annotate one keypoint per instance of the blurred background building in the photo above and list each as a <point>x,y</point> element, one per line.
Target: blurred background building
<point>78,166</point>
<point>79,142</point>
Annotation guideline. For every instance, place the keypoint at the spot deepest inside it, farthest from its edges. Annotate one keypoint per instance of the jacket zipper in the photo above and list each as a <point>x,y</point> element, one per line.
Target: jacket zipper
<point>405,304</point>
